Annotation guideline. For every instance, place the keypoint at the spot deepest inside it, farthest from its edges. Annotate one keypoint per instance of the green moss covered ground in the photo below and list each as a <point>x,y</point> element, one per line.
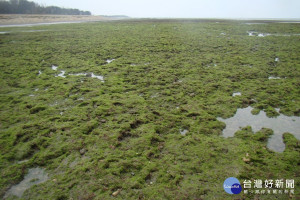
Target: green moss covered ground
<point>120,139</point>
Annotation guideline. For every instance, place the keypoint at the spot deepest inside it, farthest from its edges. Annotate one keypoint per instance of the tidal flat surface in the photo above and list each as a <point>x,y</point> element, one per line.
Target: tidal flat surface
<point>133,113</point>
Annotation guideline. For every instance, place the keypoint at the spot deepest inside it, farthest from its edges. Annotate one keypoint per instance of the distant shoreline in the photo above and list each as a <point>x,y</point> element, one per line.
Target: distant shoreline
<point>9,20</point>
<point>12,20</point>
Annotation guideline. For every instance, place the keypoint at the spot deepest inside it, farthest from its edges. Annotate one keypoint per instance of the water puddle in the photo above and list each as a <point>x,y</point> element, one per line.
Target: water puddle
<point>32,31</point>
<point>272,77</point>
<point>35,176</point>
<point>79,74</point>
<point>109,60</point>
<point>236,94</point>
<point>250,33</point>
<point>4,32</point>
<point>289,22</point>
<point>253,33</point>
<point>98,77</point>
<point>183,131</point>
<point>263,34</point>
<point>279,125</point>
<point>62,74</point>
<point>212,65</point>
<point>54,67</point>
<point>288,35</point>
<point>254,23</point>
<point>101,78</point>
<point>257,34</point>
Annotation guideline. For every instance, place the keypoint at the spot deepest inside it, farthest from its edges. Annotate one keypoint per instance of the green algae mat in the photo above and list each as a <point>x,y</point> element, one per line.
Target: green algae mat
<point>132,110</point>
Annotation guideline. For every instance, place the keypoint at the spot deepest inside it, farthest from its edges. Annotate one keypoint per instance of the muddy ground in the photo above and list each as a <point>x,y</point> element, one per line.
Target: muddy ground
<point>34,19</point>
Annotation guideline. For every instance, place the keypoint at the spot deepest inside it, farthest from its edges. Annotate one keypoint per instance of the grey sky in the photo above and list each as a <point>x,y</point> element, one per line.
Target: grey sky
<point>185,8</point>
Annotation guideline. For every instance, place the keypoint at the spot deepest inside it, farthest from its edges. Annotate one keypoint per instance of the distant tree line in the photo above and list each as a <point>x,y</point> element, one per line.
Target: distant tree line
<point>29,7</point>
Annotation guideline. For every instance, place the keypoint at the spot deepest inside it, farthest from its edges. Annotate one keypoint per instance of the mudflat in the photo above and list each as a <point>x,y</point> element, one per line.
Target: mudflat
<point>14,19</point>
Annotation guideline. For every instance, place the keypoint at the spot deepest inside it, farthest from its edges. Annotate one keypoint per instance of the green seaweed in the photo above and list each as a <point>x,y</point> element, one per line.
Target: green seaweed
<point>120,139</point>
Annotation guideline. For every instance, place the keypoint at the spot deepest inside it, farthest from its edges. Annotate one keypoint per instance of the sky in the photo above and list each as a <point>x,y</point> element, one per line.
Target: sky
<point>240,9</point>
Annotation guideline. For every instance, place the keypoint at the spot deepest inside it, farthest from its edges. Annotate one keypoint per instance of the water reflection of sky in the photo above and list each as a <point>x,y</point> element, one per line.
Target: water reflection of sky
<point>279,125</point>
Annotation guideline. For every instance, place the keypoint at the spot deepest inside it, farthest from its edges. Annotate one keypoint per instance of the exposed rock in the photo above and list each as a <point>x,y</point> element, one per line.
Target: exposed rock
<point>82,151</point>
<point>116,192</point>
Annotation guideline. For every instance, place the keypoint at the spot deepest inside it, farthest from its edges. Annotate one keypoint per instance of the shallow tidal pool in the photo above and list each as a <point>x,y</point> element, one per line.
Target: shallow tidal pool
<point>279,124</point>
<point>35,176</point>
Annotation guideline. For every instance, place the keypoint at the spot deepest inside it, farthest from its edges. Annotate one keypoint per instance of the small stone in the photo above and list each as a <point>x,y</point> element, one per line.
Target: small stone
<point>103,121</point>
<point>88,75</point>
<point>246,160</point>
<point>252,101</point>
<point>192,94</point>
<point>54,180</point>
<point>82,151</point>
<point>116,192</point>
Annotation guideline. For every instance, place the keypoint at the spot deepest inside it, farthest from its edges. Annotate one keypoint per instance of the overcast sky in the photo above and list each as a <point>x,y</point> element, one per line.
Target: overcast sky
<point>185,8</point>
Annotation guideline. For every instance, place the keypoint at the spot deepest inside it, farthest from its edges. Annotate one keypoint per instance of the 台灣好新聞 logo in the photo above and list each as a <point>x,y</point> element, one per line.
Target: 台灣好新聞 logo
<point>232,186</point>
